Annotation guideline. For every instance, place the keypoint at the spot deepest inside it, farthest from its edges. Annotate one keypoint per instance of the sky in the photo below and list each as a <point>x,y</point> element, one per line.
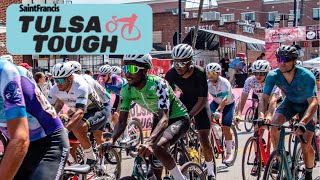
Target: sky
<point>190,3</point>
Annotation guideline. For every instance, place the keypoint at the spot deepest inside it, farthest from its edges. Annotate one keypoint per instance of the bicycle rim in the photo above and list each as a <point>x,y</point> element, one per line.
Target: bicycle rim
<point>271,173</point>
<point>248,119</point>
<point>299,167</point>
<point>251,160</point>
<point>113,169</point>
<point>135,132</point>
<point>193,171</point>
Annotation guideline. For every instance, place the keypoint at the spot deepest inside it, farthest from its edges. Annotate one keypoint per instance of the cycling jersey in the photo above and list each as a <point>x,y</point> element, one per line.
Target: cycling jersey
<point>221,90</point>
<point>20,97</point>
<point>102,93</point>
<point>155,95</point>
<point>252,84</point>
<point>81,95</point>
<point>302,87</point>
<point>116,84</point>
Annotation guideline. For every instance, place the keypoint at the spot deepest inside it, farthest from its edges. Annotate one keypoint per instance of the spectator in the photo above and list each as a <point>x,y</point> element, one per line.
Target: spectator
<point>224,64</point>
<point>88,72</point>
<point>241,66</point>
<point>262,56</point>
<point>50,79</point>
<point>40,79</point>
<point>232,69</point>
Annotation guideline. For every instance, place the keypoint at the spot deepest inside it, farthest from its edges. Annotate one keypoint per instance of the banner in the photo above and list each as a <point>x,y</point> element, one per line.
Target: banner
<point>288,34</point>
<point>271,49</point>
<point>227,42</point>
<point>312,32</point>
<point>160,67</point>
<point>61,29</point>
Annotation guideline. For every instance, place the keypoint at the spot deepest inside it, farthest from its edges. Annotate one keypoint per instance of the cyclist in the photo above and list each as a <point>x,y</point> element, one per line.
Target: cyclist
<point>37,138</point>
<point>299,63</point>
<point>299,86</point>
<point>223,102</point>
<point>260,69</point>
<point>104,97</point>
<point>153,93</point>
<point>86,108</point>
<point>191,80</point>
<point>116,70</point>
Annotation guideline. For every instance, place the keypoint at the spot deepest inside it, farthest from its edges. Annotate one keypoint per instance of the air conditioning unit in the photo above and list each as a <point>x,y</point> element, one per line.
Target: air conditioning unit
<point>221,21</point>
<point>194,14</point>
<point>258,24</point>
<point>186,14</point>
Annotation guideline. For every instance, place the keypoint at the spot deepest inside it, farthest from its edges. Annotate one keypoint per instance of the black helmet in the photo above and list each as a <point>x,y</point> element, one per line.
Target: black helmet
<point>287,51</point>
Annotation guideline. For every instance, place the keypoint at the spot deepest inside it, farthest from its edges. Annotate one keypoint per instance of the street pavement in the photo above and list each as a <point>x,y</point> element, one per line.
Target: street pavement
<point>225,173</point>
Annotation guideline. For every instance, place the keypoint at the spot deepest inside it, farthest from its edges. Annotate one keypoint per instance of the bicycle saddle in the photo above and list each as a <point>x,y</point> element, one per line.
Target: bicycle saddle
<point>78,168</point>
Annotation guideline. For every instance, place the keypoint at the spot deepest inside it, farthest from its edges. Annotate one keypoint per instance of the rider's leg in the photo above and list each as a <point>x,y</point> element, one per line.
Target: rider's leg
<point>307,149</point>
<point>171,135</point>
<point>227,116</point>
<point>274,132</point>
<point>98,136</point>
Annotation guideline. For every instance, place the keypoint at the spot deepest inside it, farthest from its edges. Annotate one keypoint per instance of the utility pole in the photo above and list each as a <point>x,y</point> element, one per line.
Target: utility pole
<point>301,12</point>
<point>295,13</point>
<point>195,35</point>
<point>180,21</point>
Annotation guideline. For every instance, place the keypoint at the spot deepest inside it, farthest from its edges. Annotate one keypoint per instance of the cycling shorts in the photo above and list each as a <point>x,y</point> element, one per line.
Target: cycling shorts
<point>45,158</point>
<point>176,129</point>
<point>290,109</point>
<point>227,113</point>
<point>97,118</point>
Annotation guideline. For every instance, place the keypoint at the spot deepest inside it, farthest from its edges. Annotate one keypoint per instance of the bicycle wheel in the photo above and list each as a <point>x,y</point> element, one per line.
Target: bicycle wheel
<point>251,160</point>
<point>234,150</point>
<point>248,118</point>
<point>271,170</point>
<point>291,141</point>
<point>181,157</point>
<point>113,169</point>
<point>299,167</point>
<point>135,132</point>
<point>3,145</point>
<point>193,171</point>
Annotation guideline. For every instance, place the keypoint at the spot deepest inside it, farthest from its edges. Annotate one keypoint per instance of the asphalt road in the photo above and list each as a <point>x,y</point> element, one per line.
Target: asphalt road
<point>225,173</point>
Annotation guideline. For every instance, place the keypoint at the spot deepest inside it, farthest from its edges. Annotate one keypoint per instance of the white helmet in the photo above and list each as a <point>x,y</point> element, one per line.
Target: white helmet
<point>316,73</point>
<point>261,66</point>
<point>182,51</point>
<point>76,66</point>
<point>62,70</point>
<point>144,59</point>
<point>105,69</point>
<point>7,58</point>
<point>299,63</point>
<point>213,67</point>
<point>115,70</point>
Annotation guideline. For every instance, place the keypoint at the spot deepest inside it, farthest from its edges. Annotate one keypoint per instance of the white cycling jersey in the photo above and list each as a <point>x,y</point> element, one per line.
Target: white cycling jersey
<point>101,91</point>
<point>221,90</point>
<point>257,88</point>
<point>81,95</point>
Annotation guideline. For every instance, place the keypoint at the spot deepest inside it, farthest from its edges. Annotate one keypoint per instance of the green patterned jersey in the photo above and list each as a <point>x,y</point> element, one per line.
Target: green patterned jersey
<point>155,95</point>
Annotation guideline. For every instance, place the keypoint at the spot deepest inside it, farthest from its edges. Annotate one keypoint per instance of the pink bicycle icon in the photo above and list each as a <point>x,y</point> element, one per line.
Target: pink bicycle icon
<point>129,26</point>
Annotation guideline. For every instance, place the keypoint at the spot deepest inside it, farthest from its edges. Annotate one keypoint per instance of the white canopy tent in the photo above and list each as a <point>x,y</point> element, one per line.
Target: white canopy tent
<point>312,63</point>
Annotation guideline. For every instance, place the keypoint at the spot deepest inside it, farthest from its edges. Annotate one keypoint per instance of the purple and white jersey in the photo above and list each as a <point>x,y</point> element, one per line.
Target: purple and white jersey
<point>21,97</point>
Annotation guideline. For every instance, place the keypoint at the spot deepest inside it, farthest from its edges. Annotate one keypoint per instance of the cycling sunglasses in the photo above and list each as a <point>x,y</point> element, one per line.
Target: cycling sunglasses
<point>181,64</point>
<point>284,59</point>
<point>260,73</point>
<point>132,69</point>
<point>211,74</point>
<point>60,80</point>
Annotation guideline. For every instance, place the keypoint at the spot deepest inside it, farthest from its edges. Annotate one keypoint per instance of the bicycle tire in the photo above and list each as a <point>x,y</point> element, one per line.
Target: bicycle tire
<point>257,159</point>
<point>193,171</point>
<point>235,153</point>
<point>298,170</point>
<point>180,160</point>
<point>117,162</point>
<point>128,178</point>
<point>268,169</point>
<point>136,122</point>
<point>249,116</point>
<point>291,143</point>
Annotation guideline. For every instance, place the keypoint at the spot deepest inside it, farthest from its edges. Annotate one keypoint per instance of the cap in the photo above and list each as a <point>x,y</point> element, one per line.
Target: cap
<point>240,55</point>
<point>25,65</point>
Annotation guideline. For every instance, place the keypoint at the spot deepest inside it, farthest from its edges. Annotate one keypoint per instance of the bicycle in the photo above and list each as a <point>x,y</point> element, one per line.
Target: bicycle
<point>250,115</point>
<point>256,153</point>
<point>142,166</point>
<point>218,141</point>
<point>3,144</point>
<point>281,165</point>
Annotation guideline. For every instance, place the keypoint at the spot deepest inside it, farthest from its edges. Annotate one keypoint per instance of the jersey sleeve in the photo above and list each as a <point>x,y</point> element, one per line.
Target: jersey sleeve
<point>226,90</point>
<point>269,84</point>
<point>82,96</point>
<point>311,82</point>
<point>203,85</point>
<point>11,92</point>
<point>247,86</point>
<point>163,95</point>
<point>126,100</point>
<point>52,98</point>
<point>169,78</point>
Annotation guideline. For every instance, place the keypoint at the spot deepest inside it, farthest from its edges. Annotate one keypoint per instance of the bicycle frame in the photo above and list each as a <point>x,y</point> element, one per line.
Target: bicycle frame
<point>265,153</point>
<point>220,150</point>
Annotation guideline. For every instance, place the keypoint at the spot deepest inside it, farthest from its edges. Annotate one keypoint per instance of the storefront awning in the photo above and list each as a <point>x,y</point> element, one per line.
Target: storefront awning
<point>212,39</point>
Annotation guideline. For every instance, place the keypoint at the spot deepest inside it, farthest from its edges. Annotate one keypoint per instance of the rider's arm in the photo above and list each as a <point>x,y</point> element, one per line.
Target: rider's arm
<point>54,100</point>
<point>225,94</point>
<point>203,95</point>
<point>272,106</point>
<point>244,96</point>
<point>170,80</point>
<point>76,117</point>
<point>17,147</point>
<point>222,104</point>
<point>267,90</point>
<point>120,126</point>
<point>312,108</point>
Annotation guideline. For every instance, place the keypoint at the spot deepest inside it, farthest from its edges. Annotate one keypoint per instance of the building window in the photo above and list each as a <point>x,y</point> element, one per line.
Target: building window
<point>228,17</point>
<point>316,13</point>
<point>174,11</point>
<point>249,16</point>
<point>212,15</point>
<point>272,16</point>
<point>194,14</point>
<point>298,13</point>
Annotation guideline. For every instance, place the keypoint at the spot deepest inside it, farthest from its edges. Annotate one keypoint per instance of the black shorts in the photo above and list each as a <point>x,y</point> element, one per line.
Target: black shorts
<point>202,119</point>
<point>46,158</point>
<point>176,129</point>
<point>96,119</point>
